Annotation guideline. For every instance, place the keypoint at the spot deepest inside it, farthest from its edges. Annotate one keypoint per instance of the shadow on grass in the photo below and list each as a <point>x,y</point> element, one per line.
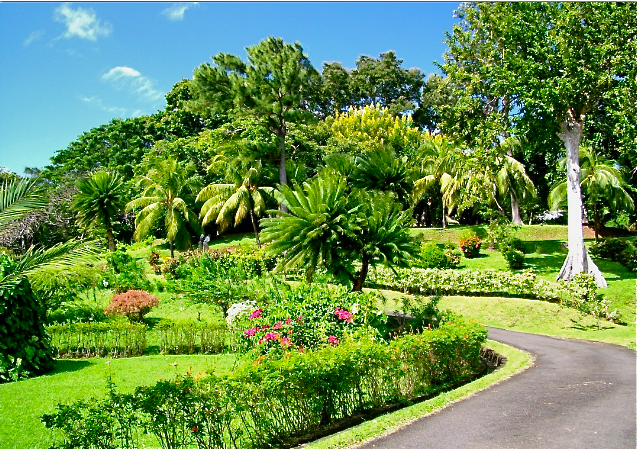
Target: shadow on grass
<point>69,366</point>
<point>590,327</point>
<point>545,256</point>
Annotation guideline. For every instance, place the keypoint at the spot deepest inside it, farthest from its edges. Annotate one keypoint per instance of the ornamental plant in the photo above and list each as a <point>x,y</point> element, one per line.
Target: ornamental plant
<point>470,245</point>
<point>133,304</point>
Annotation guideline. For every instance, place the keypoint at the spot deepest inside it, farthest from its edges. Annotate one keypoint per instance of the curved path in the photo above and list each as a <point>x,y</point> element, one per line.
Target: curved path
<point>576,395</point>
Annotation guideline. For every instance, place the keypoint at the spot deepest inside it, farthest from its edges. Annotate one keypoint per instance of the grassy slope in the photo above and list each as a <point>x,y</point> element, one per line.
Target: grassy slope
<point>22,403</point>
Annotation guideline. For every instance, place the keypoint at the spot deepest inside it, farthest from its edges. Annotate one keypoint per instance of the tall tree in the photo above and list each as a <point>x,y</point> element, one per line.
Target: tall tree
<point>559,61</point>
<point>100,199</point>
<point>602,182</point>
<point>167,188</point>
<point>273,86</point>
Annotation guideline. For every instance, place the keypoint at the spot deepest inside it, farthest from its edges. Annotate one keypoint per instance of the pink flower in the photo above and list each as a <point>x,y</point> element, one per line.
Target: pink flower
<point>278,325</point>
<point>288,321</point>
<point>333,340</point>
<point>255,314</point>
<point>343,314</point>
<point>286,342</point>
<point>272,336</point>
<point>250,332</point>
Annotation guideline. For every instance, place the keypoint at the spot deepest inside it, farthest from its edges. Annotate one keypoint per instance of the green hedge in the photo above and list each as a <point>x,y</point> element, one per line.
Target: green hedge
<point>579,293</point>
<point>78,340</point>
<point>192,338</point>
<point>274,401</point>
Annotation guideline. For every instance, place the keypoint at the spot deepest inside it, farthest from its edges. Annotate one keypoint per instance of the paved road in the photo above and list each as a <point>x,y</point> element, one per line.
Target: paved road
<point>577,395</point>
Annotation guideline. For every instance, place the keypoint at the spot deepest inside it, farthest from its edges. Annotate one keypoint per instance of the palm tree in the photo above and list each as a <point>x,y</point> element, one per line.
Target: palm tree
<point>312,230</point>
<point>382,233</point>
<point>512,179</point>
<point>99,201</point>
<point>167,186</point>
<point>381,170</point>
<point>227,204</point>
<point>602,181</point>
<point>17,198</point>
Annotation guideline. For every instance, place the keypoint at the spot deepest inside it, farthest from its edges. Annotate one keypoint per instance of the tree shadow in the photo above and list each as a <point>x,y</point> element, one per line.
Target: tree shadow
<point>69,366</point>
<point>545,256</point>
<point>589,327</point>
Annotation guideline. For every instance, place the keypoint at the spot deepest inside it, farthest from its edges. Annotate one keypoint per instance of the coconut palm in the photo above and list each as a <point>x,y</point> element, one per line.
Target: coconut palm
<point>512,179</point>
<point>167,187</point>
<point>601,180</point>
<point>99,201</point>
<point>17,198</point>
<point>227,204</point>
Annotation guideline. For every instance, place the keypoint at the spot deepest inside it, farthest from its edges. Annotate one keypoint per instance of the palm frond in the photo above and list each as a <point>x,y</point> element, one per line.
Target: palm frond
<point>17,198</point>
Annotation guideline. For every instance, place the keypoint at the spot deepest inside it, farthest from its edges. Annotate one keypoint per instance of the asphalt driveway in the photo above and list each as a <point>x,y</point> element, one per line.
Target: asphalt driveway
<point>576,395</point>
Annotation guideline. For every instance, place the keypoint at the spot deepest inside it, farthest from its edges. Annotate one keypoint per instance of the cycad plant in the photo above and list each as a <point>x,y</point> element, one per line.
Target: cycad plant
<point>319,218</point>
<point>227,204</point>
<point>166,188</point>
<point>99,200</point>
<point>601,180</point>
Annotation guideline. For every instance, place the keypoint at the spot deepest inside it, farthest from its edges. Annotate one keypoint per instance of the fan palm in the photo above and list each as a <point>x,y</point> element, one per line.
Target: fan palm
<point>167,186</point>
<point>99,201</point>
<point>227,204</point>
<point>601,180</point>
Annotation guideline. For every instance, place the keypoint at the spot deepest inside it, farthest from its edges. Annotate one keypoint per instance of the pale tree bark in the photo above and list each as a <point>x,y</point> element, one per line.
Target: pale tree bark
<point>578,259</point>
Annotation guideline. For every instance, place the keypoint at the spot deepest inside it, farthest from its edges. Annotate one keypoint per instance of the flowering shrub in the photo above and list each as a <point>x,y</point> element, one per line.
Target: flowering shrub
<point>238,309</point>
<point>133,304</point>
<point>305,317</point>
<point>470,246</point>
<point>270,403</point>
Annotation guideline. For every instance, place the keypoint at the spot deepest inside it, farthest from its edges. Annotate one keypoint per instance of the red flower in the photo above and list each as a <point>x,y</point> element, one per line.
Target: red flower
<point>194,429</point>
<point>255,314</point>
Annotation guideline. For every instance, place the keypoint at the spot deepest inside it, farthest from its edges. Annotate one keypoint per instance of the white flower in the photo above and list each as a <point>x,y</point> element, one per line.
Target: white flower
<point>238,309</point>
<point>105,283</point>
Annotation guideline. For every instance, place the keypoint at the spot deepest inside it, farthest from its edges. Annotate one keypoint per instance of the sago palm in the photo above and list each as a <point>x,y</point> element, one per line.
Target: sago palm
<point>167,186</point>
<point>310,233</point>
<point>99,200</point>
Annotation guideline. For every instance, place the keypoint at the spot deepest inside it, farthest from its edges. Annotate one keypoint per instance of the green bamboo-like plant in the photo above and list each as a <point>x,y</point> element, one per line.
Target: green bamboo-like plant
<point>166,186</point>
<point>99,200</point>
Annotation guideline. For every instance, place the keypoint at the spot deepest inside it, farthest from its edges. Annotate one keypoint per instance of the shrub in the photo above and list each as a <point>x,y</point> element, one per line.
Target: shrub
<point>75,312</point>
<point>273,401</point>
<point>125,273</point>
<point>501,231</point>
<point>192,338</point>
<point>25,348</point>
<point>514,257</point>
<point>78,340</point>
<point>470,245</point>
<point>431,256</point>
<point>55,287</point>
<point>453,256</point>
<point>618,250</point>
<point>133,304</point>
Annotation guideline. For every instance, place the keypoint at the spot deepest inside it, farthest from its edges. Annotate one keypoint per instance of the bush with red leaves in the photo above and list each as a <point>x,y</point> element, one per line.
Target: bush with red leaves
<point>133,304</point>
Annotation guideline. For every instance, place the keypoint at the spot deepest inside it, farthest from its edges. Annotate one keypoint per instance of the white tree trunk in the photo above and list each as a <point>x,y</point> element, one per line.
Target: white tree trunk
<point>578,260</point>
<point>515,203</point>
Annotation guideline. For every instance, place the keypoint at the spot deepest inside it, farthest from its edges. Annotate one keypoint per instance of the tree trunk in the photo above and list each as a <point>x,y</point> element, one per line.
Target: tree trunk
<point>444,215</point>
<point>596,222</point>
<point>577,260</point>
<point>283,176</point>
<point>254,226</point>
<point>363,273</point>
<point>111,239</point>
<point>172,250</point>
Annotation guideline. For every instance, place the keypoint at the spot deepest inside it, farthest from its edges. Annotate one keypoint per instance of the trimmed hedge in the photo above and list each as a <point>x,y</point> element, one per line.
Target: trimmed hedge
<point>580,293</point>
<point>275,401</point>
<point>78,340</point>
<point>192,338</point>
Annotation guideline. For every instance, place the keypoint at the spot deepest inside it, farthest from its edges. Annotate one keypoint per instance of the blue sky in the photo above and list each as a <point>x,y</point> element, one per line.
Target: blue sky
<point>70,67</point>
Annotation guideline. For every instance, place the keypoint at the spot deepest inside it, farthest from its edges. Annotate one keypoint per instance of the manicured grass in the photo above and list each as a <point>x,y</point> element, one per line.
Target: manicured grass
<point>516,361</point>
<point>22,403</point>
<point>525,315</point>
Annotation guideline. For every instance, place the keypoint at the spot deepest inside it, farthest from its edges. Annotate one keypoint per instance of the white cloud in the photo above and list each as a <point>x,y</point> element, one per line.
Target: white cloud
<point>36,35</point>
<point>82,23</point>
<point>133,81</point>
<point>177,10</point>
<point>121,112</point>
